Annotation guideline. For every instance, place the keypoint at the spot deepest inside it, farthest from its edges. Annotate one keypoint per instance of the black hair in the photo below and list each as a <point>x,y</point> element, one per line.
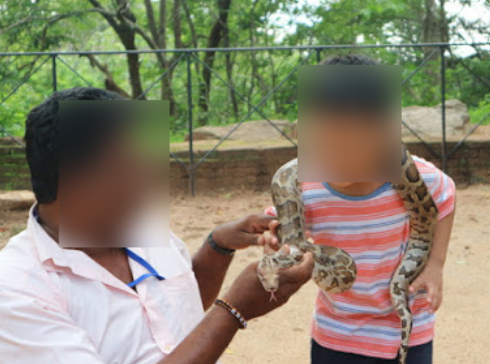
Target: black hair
<point>42,138</point>
<point>343,89</point>
<point>350,60</point>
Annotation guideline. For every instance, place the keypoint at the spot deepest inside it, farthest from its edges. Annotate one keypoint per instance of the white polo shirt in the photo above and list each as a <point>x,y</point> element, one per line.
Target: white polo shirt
<point>59,306</point>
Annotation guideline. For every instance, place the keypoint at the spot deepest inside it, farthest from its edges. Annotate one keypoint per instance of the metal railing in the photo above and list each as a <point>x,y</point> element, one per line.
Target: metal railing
<point>190,56</point>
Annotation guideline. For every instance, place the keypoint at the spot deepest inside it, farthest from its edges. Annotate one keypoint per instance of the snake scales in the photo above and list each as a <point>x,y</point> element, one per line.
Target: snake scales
<point>334,269</point>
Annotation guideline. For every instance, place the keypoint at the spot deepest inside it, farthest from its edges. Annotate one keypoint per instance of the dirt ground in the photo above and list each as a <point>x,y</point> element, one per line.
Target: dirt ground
<point>282,337</point>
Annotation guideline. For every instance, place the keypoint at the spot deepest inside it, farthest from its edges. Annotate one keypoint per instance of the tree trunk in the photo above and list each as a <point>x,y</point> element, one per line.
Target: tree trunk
<point>253,56</point>
<point>134,73</point>
<point>430,28</point>
<point>121,22</point>
<point>229,72</point>
<point>431,33</point>
<point>214,40</point>
<point>193,32</point>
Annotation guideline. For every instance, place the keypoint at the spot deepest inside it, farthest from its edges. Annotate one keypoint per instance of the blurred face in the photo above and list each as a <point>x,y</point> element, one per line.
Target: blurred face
<point>352,145</point>
<point>100,198</point>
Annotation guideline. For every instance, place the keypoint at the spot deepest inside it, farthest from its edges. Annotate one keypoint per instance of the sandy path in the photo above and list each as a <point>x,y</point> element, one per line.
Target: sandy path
<point>282,337</point>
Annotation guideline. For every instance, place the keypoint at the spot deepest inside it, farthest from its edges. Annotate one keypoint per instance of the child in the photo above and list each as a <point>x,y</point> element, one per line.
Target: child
<point>369,221</point>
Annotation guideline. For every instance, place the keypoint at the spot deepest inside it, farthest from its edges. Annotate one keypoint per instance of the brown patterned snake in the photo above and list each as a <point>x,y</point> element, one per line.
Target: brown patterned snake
<point>334,269</point>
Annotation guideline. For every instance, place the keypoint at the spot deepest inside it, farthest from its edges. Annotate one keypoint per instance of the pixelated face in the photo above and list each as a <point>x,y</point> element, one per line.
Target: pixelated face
<point>268,273</point>
<point>115,177</point>
<point>349,123</point>
<point>351,144</point>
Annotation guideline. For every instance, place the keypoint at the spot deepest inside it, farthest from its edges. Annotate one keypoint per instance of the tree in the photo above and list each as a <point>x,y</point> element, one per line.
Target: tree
<point>218,31</point>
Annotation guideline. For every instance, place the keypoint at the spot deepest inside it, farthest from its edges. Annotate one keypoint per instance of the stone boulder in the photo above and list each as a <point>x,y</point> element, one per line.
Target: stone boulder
<point>247,131</point>
<point>16,200</point>
<point>427,121</point>
<point>424,120</point>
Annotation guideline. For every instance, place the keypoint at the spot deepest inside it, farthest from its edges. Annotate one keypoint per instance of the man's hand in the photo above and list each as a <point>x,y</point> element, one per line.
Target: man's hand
<point>431,280</point>
<point>206,343</point>
<point>242,233</point>
<point>250,298</point>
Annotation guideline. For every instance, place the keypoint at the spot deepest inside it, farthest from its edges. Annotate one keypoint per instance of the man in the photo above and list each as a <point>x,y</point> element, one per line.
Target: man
<point>110,304</point>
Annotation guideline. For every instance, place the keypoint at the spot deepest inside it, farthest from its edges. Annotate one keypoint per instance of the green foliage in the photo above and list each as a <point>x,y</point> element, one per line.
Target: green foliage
<point>64,25</point>
<point>482,111</point>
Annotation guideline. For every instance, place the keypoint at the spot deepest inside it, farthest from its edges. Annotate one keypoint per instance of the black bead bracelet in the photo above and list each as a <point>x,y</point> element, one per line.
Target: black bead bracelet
<point>217,248</point>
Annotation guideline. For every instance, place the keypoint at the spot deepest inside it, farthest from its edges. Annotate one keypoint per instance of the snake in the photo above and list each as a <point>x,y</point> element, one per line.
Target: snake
<point>334,269</point>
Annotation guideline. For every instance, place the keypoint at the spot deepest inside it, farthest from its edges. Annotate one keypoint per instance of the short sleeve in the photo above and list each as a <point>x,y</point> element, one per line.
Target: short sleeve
<point>441,186</point>
<point>34,332</point>
<point>181,247</point>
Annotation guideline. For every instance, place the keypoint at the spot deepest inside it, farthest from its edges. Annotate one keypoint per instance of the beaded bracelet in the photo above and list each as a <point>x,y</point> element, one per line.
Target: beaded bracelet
<point>226,305</point>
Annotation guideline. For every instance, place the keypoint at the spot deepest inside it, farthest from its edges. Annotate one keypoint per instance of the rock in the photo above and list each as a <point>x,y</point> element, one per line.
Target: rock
<point>248,131</point>
<point>16,200</point>
<point>427,121</point>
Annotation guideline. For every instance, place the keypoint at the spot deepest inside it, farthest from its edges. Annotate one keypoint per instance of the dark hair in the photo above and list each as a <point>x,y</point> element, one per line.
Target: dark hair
<point>43,141</point>
<point>343,89</point>
<point>350,60</point>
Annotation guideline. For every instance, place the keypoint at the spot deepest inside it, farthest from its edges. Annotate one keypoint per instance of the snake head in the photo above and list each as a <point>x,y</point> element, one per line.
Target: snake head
<point>268,272</point>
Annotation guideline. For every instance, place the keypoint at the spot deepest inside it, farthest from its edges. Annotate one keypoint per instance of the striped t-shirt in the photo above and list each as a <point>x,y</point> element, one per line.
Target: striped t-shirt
<point>374,230</point>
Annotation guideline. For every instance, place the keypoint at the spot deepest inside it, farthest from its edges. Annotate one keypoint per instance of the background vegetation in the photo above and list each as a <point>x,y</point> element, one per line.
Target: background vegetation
<point>81,25</point>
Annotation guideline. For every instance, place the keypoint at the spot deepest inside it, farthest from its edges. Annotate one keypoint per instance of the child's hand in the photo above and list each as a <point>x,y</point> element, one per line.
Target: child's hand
<point>269,239</point>
<point>431,280</point>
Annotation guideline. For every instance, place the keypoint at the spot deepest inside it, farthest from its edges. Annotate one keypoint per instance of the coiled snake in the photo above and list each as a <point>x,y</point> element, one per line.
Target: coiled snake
<point>334,269</point>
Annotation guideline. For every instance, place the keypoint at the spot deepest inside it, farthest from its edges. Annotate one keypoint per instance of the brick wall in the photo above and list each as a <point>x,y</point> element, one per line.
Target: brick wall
<point>14,172</point>
<point>252,169</point>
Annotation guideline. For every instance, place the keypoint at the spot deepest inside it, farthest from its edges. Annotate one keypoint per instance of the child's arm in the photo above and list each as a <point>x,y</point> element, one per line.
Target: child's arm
<point>442,235</point>
<point>431,277</point>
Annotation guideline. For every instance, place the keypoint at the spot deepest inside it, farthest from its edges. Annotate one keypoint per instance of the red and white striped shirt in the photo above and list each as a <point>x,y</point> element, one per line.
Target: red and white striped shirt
<point>374,230</point>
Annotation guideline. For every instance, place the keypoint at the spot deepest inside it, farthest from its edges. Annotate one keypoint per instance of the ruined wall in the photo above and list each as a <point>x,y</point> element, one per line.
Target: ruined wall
<point>252,169</point>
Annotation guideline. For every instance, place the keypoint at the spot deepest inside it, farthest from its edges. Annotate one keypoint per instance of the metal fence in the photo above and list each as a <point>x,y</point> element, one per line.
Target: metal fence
<point>308,55</point>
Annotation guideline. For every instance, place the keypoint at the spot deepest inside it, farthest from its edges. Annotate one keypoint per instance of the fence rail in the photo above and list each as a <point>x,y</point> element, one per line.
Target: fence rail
<point>191,56</point>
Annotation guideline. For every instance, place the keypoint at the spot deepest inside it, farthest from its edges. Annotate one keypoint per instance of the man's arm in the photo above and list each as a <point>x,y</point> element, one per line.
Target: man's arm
<point>25,322</point>
<point>210,267</point>
<point>211,337</point>
<point>208,341</point>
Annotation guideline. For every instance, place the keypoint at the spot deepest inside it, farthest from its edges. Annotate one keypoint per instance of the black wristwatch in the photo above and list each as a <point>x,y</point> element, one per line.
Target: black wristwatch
<point>217,248</point>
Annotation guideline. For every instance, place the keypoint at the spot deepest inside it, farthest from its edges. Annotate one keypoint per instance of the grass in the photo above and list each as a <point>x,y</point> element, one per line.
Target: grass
<point>478,113</point>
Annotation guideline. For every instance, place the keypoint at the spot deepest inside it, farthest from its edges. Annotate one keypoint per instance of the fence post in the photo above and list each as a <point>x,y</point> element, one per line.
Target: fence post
<point>191,137</point>
<point>318,55</point>
<point>53,69</point>
<point>443,106</point>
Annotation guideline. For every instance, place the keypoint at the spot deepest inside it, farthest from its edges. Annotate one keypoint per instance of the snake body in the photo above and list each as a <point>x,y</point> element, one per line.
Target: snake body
<point>334,269</point>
